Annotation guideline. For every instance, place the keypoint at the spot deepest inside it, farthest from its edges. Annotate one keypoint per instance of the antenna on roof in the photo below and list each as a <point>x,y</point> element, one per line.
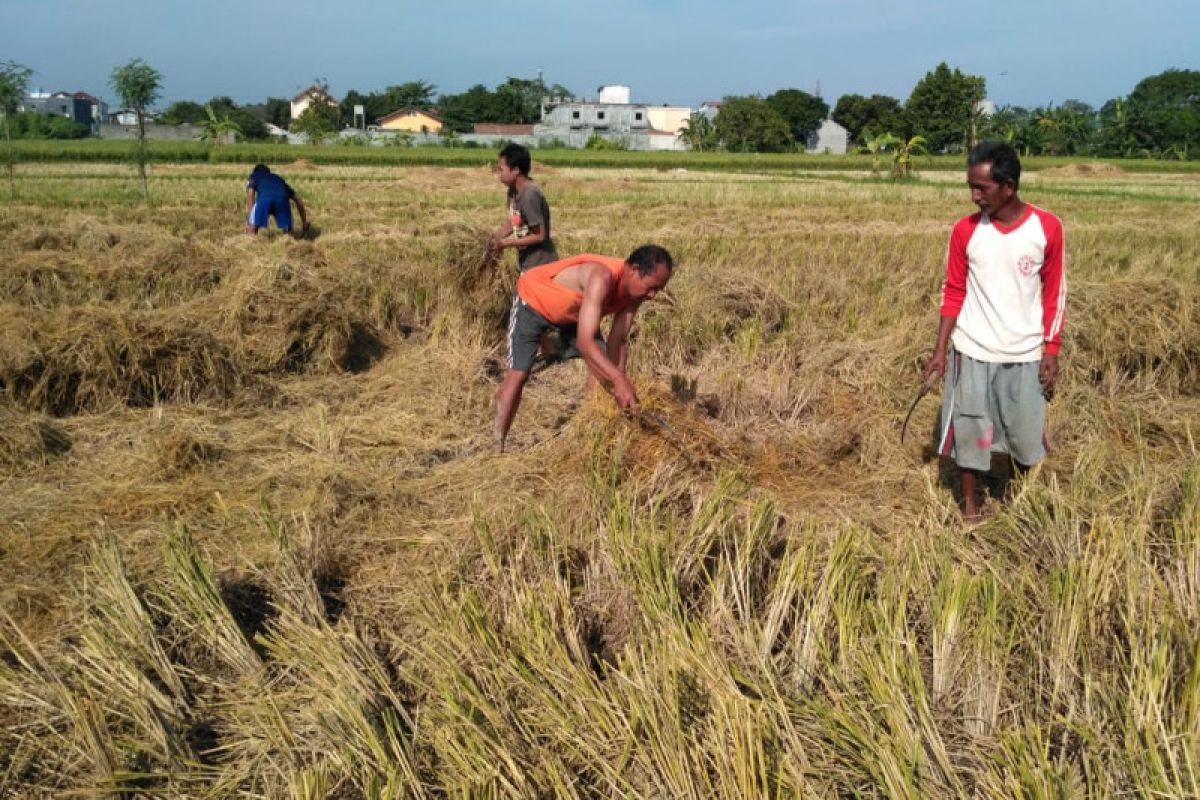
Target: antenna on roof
<point>818,92</point>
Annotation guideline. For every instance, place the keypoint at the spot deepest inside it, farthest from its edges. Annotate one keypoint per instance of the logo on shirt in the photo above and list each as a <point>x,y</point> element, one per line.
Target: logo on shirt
<point>519,227</point>
<point>1026,266</point>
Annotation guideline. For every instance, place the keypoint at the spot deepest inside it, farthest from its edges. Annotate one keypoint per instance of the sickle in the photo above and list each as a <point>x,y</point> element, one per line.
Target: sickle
<point>649,419</point>
<point>924,390</point>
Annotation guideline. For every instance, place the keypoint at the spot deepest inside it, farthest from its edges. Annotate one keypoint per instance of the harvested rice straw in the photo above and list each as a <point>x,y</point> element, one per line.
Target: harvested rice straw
<point>471,263</point>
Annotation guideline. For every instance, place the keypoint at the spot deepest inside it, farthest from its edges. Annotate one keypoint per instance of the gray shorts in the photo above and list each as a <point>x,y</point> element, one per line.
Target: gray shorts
<point>992,408</point>
<point>525,329</point>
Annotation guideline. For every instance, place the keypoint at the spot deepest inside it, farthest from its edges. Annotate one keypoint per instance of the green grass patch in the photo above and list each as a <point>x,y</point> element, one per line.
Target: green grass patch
<point>247,153</point>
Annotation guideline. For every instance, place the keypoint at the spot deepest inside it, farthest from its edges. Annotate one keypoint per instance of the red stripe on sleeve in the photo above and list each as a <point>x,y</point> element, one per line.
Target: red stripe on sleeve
<point>1054,283</point>
<point>954,290</point>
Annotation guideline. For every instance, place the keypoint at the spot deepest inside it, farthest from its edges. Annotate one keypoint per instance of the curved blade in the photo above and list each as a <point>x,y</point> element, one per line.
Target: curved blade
<point>924,390</point>
<point>650,419</point>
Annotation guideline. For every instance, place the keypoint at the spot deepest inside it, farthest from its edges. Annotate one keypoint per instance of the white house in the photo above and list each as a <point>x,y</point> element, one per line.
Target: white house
<point>637,126</point>
<point>829,138</point>
<point>710,109</point>
<point>309,96</point>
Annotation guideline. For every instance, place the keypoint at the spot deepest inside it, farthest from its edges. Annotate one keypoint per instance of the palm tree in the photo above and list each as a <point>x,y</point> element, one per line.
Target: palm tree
<point>218,130</point>
<point>697,131</point>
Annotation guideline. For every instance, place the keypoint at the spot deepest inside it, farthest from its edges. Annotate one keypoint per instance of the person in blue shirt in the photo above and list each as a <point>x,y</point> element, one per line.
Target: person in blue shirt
<point>268,195</point>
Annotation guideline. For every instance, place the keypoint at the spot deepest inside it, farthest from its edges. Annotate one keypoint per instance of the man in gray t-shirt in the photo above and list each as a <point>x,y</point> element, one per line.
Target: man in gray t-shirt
<point>528,225</point>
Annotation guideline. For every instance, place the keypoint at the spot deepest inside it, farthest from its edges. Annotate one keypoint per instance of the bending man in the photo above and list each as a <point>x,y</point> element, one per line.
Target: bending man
<point>573,295</point>
<point>268,195</point>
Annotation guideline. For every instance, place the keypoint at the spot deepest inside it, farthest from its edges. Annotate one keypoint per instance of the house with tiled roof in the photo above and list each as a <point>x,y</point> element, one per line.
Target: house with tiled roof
<point>411,119</point>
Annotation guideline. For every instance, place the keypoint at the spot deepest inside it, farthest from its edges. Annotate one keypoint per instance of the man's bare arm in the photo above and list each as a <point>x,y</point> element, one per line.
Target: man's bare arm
<point>504,230</point>
<point>250,193</point>
<point>303,212</point>
<point>618,338</point>
<point>536,235</point>
<point>935,366</point>
<point>596,287</point>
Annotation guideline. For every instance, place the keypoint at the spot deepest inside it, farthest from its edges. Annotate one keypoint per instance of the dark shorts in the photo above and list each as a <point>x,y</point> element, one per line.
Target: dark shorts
<point>277,207</point>
<point>525,329</point>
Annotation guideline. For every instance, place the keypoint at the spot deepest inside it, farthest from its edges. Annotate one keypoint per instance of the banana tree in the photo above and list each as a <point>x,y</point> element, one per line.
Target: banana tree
<point>905,152</point>
<point>876,146</point>
<point>217,130</point>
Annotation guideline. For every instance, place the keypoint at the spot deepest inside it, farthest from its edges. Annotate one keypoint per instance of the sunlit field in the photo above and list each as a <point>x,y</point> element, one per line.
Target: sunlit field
<point>256,540</point>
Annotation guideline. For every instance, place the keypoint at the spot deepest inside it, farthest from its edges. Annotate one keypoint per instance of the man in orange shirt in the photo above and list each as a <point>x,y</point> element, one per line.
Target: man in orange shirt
<point>573,295</point>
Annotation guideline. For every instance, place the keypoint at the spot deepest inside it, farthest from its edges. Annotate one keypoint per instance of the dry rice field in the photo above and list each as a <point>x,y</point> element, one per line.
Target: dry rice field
<point>255,540</point>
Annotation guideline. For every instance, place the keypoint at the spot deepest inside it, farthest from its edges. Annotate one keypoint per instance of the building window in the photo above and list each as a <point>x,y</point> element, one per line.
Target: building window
<point>638,116</point>
<point>599,115</point>
<point>574,115</point>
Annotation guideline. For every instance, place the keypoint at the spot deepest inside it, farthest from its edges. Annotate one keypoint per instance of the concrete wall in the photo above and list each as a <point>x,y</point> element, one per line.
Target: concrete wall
<point>657,142</point>
<point>493,140</point>
<point>167,133</point>
<point>376,137</point>
<point>543,136</point>
<point>668,118</point>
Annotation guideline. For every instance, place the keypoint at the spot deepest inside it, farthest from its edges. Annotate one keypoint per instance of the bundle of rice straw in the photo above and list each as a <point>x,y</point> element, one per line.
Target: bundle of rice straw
<point>482,282</point>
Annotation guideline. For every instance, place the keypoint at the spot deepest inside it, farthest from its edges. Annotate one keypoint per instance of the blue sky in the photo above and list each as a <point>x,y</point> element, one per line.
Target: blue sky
<point>667,51</point>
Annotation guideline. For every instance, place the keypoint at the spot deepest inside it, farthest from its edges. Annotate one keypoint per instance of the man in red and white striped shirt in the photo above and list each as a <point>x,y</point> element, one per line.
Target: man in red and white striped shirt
<point>1003,305</point>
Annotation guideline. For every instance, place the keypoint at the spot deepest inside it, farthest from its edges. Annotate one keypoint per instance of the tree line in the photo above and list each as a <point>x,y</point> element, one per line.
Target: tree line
<point>944,113</point>
<point>1160,118</point>
<point>516,100</point>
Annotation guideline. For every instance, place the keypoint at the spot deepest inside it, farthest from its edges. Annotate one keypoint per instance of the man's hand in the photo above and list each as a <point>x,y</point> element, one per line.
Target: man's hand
<point>250,228</point>
<point>623,393</point>
<point>935,366</point>
<point>1048,375</point>
<point>494,245</point>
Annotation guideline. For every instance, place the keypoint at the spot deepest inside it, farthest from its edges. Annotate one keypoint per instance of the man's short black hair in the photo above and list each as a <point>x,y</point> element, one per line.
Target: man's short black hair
<point>517,157</point>
<point>260,169</point>
<point>1006,165</point>
<point>647,257</point>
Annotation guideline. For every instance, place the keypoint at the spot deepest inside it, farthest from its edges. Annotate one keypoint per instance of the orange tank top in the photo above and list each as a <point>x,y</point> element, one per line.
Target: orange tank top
<point>558,304</point>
